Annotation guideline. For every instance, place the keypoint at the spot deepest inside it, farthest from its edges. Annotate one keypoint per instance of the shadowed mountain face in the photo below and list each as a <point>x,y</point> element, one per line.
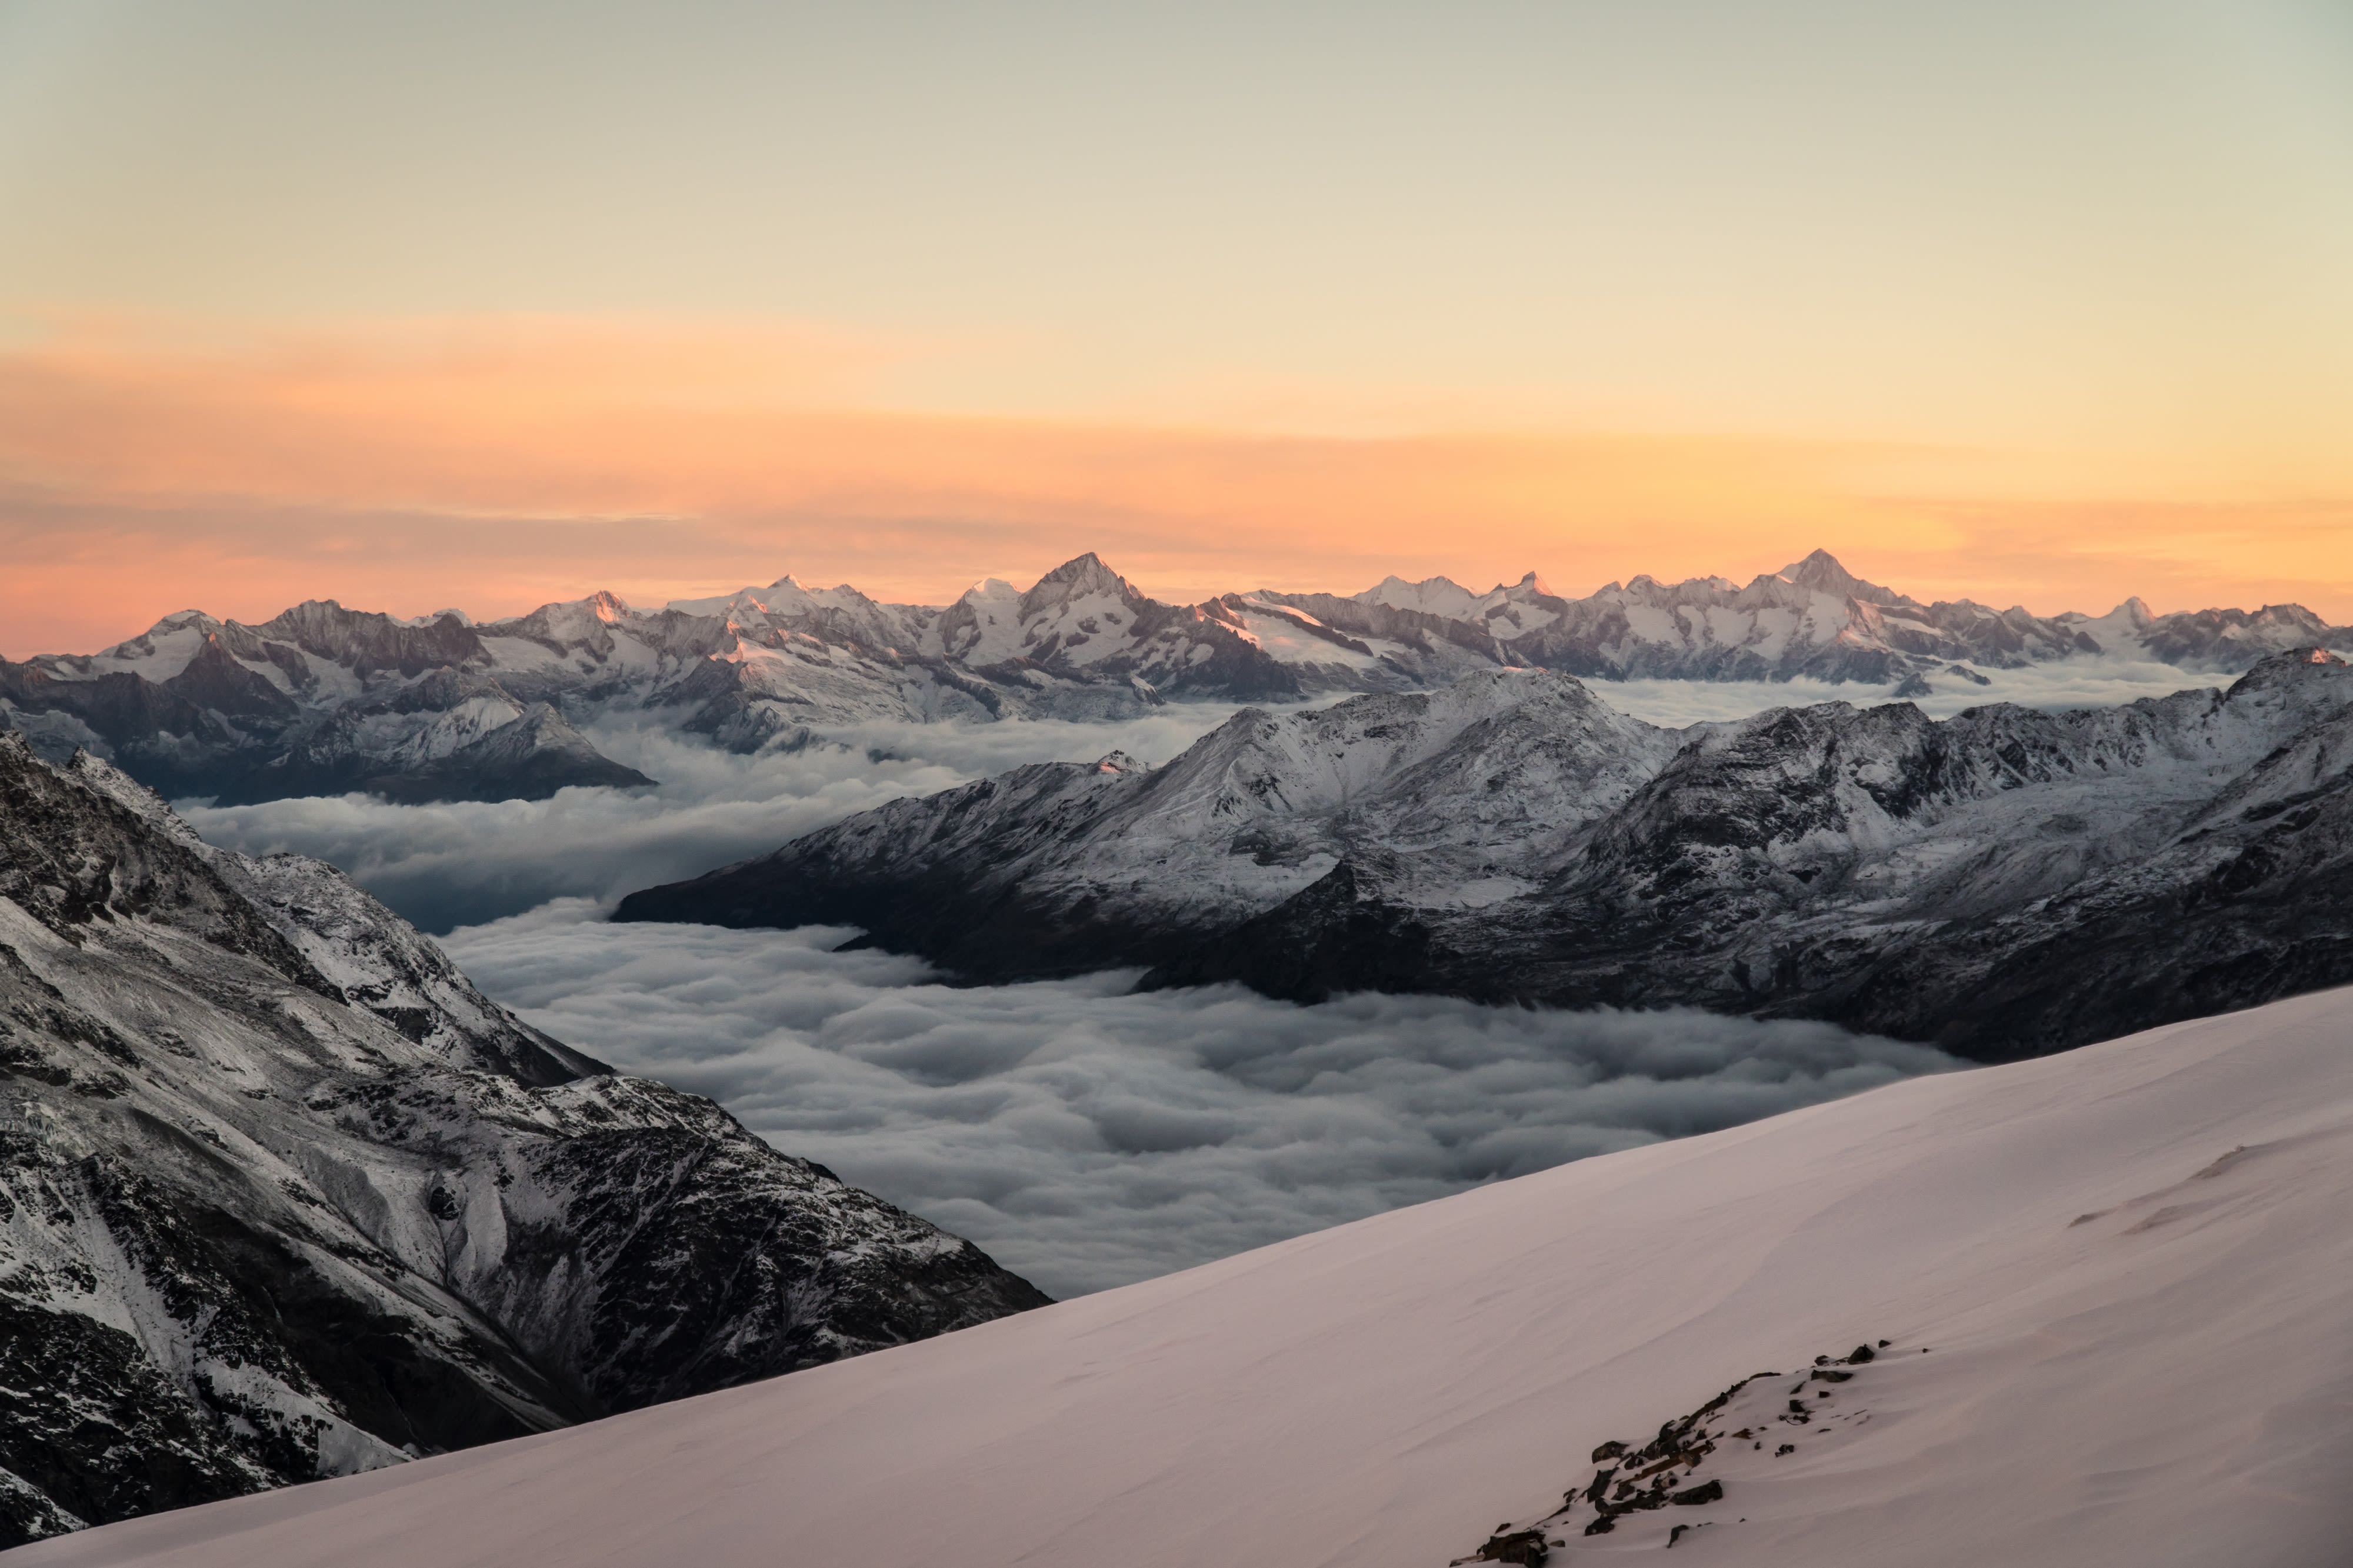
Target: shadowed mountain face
<point>283,1195</point>
<point>322,699</point>
<point>2003,883</point>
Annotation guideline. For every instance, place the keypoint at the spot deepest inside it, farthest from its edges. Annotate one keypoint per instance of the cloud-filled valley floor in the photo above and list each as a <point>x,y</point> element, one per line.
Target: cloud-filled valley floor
<point>1085,1136</point>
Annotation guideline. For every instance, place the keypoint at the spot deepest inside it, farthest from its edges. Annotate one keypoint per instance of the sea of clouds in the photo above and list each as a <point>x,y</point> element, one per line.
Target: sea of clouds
<point>1084,1135</point>
<point>2071,683</point>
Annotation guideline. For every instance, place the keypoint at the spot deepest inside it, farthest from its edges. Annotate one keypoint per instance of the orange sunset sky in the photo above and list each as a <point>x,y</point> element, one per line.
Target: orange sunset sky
<point>488,305</point>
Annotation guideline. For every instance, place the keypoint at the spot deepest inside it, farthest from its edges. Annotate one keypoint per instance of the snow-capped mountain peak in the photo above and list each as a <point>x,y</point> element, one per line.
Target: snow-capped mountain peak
<point>1822,570</point>
<point>1430,596</point>
<point>1081,576</point>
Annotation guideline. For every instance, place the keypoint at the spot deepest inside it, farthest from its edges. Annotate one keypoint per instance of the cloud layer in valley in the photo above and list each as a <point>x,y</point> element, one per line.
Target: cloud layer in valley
<point>2071,683</point>
<point>1088,1136</point>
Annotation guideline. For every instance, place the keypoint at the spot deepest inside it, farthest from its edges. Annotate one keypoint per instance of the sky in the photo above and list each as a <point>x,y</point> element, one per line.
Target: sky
<point>491,304</point>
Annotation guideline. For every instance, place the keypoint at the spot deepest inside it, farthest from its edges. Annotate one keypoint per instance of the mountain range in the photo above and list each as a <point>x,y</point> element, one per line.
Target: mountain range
<point>2001,883</point>
<point>283,1195</point>
<point>321,699</point>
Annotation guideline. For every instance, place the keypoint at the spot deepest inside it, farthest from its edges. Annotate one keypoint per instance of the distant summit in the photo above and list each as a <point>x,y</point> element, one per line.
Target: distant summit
<point>1822,570</point>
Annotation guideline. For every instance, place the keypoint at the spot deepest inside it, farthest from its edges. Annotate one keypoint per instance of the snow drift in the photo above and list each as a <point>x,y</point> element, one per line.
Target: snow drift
<point>2114,1283</point>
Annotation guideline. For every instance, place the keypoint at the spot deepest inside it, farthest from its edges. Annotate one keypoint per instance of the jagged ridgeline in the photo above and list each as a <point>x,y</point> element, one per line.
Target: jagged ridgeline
<point>2001,883</point>
<point>322,699</point>
<point>283,1196</point>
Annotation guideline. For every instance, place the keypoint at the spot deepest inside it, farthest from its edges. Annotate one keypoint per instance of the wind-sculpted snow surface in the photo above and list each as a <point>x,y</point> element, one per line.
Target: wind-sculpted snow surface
<point>2113,1285</point>
<point>324,701</point>
<point>2001,883</point>
<point>283,1195</point>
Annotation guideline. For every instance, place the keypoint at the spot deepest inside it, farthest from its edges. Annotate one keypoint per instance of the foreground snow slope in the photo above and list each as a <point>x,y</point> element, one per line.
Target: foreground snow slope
<point>2139,1355</point>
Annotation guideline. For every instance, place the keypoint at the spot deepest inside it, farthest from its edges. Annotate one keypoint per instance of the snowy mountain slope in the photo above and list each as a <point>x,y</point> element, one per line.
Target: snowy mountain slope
<point>2113,1283</point>
<point>325,700</point>
<point>2003,883</point>
<point>1058,867</point>
<point>281,1195</point>
<point>1512,838</point>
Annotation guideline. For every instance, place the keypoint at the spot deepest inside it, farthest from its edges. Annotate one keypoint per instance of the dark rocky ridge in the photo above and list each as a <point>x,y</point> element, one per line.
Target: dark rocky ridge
<point>2001,884</point>
<point>281,1195</point>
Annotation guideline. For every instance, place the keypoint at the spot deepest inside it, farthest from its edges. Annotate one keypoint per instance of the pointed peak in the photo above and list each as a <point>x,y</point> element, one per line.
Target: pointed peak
<point>1536,585</point>
<point>1820,569</point>
<point>1823,572</point>
<point>1083,572</point>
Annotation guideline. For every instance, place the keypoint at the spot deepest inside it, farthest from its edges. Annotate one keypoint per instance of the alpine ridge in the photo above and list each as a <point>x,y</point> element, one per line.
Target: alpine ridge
<point>283,1195</point>
<point>2003,883</point>
<point>325,700</point>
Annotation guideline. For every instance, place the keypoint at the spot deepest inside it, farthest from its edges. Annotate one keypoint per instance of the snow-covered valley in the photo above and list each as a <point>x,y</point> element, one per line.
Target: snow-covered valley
<point>2112,1284</point>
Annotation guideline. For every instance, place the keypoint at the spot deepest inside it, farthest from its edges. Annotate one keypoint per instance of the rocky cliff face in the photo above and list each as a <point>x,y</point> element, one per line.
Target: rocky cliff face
<point>283,1196</point>
<point>2003,883</point>
<point>323,699</point>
